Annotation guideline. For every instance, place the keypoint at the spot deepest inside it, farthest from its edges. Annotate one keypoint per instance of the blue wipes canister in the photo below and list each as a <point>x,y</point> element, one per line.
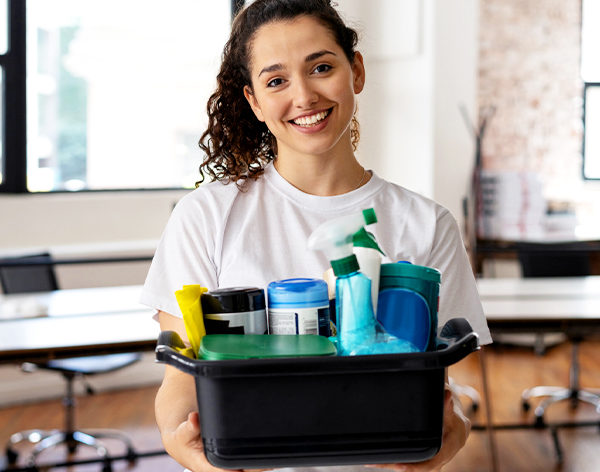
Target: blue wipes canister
<point>298,306</point>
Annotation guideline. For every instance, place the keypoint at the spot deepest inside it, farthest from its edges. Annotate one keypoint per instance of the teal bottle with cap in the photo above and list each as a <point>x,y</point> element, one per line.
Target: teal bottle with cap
<point>358,331</point>
<point>354,308</point>
<point>408,302</point>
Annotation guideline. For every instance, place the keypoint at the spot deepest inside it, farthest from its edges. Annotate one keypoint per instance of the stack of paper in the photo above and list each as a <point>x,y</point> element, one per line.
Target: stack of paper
<point>512,206</point>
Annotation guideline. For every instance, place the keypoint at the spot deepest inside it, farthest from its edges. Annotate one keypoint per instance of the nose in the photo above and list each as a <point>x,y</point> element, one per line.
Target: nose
<point>304,94</point>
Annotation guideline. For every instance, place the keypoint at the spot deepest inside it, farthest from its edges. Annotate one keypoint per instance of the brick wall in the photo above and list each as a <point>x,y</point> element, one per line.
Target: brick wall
<point>529,70</point>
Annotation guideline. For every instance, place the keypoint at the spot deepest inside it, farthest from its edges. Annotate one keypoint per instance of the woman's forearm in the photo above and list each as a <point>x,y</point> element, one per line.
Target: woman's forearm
<point>176,408</point>
<point>175,399</point>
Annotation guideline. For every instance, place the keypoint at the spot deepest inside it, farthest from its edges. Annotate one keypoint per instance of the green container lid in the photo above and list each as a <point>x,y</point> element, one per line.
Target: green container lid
<point>403,269</point>
<point>252,346</point>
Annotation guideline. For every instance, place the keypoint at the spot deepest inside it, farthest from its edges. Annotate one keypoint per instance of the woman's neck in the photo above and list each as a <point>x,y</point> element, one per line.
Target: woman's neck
<point>333,173</point>
<point>321,176</point>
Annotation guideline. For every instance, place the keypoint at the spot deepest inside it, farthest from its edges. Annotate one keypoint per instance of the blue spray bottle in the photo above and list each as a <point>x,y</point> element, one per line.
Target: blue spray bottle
<point>358,330</point>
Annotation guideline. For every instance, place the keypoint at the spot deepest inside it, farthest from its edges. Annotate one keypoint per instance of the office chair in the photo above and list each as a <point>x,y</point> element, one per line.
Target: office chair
<point>557,260</point>
<point>35,273</point>
<point>466,391</point>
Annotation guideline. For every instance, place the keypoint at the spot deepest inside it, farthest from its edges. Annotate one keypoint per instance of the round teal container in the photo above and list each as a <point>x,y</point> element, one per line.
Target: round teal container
<point>298,306</point>
<point>423,280</point>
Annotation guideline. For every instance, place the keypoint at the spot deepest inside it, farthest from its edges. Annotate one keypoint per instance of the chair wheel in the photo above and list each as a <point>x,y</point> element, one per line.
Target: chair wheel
<point>525,405</point>
<point>11,456</point>
<point>107,467</point>
<point>573,404</point>
<point>539,422</point>
<point>475,407</point>
<point>131,456</point>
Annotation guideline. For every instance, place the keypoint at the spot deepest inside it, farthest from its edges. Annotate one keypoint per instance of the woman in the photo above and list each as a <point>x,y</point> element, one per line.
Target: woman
<point>281,137</point>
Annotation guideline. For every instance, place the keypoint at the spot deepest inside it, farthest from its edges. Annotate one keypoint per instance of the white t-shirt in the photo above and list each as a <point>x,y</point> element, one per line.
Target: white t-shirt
<point>218,236</point>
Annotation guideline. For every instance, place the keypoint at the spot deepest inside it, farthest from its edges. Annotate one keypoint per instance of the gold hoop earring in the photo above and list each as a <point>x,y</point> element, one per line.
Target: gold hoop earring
<point>354,131</point>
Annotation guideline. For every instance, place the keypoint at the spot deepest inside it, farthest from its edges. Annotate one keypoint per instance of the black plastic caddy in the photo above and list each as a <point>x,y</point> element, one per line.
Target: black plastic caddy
<point>320,411</point>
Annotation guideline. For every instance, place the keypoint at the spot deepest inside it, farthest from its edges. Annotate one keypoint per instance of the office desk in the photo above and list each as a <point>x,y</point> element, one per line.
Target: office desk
<point>78,322</point>
<point>553,304</point>
<point>481,249</point>
<point>564,287</point>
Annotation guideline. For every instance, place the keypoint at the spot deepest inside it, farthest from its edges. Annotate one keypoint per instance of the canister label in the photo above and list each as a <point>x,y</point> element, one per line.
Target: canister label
<point>245,322</point>
<point>313,320</point>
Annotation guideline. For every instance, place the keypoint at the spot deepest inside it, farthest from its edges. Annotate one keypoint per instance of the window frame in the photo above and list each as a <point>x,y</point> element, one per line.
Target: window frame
<point>586,86</point>
<point>15,129</point>
<point>13,62</point>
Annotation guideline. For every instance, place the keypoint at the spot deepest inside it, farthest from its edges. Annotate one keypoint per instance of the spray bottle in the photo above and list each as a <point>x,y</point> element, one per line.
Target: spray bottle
<point>358,330</point>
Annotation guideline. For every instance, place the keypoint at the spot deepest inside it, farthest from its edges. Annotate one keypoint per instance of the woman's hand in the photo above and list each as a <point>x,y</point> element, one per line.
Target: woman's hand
<point>455,432</point>
<point>176,410</point>
<point>185,445</point>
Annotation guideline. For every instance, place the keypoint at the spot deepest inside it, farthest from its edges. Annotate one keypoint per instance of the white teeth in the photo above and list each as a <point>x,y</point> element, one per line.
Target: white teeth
<point>311,120</point>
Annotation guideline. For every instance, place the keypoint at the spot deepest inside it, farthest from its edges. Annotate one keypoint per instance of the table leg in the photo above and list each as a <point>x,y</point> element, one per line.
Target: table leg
<point>488,411</point>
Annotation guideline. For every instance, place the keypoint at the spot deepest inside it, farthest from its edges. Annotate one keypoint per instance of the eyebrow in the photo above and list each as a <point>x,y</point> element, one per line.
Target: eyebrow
<point>309,58</point>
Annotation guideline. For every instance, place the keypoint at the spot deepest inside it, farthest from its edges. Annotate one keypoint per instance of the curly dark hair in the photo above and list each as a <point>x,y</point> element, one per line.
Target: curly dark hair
<point>236,144</point>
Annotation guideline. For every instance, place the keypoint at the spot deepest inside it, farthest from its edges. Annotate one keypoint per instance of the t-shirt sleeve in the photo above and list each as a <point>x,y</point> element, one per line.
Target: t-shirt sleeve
<point>458,292</point>
<point>184,256</point>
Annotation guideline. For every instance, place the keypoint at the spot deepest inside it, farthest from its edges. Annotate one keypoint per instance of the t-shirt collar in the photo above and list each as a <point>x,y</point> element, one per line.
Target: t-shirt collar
<point>343,202</point>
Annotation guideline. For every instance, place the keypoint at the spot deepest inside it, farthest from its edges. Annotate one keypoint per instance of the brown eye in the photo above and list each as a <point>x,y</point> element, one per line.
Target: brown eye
<point>322,68</point>
<point>274,82</point>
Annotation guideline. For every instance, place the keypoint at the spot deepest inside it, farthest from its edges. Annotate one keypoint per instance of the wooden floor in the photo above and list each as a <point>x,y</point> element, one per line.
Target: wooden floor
<point>510,369</point>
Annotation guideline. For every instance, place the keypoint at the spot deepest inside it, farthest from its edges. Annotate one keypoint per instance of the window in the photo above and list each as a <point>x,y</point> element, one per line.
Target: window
<point>1,125</point>
<point>591,131</point>
<point>590,72</point>
<point>3,26</point>
<point>3,49</point>
<point>115,92</point>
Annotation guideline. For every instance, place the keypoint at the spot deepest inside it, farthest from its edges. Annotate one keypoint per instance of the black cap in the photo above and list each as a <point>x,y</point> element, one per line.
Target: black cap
<point>233,300</point>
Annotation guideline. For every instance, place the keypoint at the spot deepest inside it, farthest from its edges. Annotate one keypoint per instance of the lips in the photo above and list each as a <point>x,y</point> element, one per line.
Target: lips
<point>308,121</point>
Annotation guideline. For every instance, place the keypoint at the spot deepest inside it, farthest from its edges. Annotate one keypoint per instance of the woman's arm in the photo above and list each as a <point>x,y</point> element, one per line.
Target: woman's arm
<point>176,410</point>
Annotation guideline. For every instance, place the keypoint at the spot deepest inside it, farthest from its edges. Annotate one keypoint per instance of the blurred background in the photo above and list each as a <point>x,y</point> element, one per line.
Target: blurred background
<point>490,107</point>
<point>106,141</point>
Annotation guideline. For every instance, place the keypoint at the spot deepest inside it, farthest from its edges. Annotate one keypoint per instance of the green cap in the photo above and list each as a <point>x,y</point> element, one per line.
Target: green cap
<point>345,266</point>
<point>362,238</point>
<point>369,216</point>
<point>406,269</point>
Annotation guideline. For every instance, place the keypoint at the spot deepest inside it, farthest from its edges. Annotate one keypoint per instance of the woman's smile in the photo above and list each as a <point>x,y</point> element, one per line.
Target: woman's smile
<point>311,121</point>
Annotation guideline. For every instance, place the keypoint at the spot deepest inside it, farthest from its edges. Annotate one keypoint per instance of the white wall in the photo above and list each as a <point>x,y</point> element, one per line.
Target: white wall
<point>396,106</point>
<point>87,224</point>
<point>455,74</point>
<point>412,131</point>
